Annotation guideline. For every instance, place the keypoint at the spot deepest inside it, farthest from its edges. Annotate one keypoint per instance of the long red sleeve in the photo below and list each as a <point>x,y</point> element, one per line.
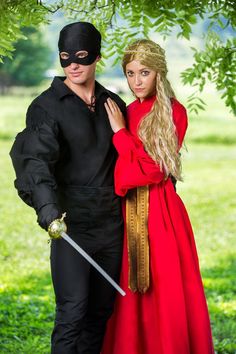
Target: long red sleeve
<point>134,166</point>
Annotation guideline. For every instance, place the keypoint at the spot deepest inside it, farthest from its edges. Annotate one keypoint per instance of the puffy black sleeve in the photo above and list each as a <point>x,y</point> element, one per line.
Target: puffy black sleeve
<point>34,155</point>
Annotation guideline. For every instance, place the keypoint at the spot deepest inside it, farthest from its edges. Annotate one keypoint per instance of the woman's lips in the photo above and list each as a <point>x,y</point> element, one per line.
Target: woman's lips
<point>138,89</point>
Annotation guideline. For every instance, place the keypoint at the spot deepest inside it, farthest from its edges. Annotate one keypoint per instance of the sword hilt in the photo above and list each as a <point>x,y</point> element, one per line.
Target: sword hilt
<point>56,227</point>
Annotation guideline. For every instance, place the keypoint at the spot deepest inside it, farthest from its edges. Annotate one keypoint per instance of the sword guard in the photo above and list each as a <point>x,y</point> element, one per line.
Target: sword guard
<point>56,227</point>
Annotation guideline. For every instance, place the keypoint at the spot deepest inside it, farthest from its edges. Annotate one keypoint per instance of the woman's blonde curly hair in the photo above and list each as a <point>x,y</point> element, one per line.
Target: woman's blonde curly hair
<point>157,130</point>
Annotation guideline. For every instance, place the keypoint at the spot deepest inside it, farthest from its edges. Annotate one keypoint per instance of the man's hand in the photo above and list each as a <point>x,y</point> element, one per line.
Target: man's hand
<point>47,214</point>
<point>115,115</point>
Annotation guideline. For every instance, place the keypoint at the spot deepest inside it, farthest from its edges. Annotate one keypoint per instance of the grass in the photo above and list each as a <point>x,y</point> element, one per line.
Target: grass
<point>209,189</point>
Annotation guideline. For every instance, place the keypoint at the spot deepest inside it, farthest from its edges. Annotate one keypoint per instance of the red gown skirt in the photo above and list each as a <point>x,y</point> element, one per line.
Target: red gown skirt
<point>172,316</point>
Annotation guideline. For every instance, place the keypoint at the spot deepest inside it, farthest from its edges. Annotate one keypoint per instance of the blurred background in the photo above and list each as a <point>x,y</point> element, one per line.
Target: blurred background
<point>208,190</point>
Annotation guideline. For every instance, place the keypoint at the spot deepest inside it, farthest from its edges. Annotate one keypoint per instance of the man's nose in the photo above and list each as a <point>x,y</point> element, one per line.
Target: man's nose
<point>74,66</point>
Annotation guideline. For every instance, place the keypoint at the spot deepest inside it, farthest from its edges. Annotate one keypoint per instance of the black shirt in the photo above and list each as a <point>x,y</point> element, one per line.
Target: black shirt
<point>64,144</point>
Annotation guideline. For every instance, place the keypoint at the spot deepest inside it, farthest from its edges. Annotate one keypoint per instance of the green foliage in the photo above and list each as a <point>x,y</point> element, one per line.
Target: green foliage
<point>195,103</point>
<point>123,20</point>
<point>29,62</point>
<point>26,294</point>
<point>15,14</point>
<point>216,63</point>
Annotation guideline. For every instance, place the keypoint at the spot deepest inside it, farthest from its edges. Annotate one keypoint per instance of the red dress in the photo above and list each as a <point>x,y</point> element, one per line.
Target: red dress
<point>172,316</point>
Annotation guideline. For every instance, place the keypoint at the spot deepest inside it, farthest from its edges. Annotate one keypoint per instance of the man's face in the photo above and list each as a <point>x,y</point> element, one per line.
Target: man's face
<point>79,74</point>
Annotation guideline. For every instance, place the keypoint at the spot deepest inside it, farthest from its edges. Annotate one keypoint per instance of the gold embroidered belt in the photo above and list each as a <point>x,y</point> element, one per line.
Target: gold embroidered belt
<point>137,203</point>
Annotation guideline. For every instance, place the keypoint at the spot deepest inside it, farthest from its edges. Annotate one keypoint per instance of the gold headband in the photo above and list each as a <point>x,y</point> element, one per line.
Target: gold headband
<point>143,52</point>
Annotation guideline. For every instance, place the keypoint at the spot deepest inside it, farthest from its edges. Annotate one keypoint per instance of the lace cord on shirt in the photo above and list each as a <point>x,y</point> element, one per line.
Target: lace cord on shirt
<point>92,103</point>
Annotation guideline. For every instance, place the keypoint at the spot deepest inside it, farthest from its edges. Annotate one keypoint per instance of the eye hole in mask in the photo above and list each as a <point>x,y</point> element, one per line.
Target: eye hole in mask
<point>79,55</point>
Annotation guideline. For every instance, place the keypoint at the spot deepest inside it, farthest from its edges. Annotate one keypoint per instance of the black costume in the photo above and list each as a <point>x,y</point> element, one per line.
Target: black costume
<point>64,160</point>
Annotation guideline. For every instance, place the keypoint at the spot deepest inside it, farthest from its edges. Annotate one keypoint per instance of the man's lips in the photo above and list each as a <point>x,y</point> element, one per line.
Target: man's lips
<point>77,73</point>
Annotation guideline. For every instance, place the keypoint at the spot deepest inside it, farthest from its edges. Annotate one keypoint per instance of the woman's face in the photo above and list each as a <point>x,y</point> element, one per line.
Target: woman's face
<point>141,79</point>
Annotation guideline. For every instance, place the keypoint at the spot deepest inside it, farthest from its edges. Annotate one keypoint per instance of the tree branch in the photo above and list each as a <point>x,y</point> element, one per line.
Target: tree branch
<point>58,7</point>
<point>113,13</point>
<point>88,11</point>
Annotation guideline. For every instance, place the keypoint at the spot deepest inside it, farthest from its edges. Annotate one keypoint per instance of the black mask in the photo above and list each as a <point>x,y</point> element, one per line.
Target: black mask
<point>79,36</point>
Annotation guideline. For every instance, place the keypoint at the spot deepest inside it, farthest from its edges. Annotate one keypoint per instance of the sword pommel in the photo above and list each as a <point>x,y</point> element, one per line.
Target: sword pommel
<point>57,227</point>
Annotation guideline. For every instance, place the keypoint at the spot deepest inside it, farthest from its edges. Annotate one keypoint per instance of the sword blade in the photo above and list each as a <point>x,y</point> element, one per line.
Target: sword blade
<point>92,262</point>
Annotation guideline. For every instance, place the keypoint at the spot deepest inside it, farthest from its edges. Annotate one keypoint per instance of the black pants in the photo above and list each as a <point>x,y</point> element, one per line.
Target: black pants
<point>84,299</point>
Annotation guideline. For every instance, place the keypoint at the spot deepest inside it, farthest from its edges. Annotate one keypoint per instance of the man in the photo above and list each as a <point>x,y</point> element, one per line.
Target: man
<point>64,161</point>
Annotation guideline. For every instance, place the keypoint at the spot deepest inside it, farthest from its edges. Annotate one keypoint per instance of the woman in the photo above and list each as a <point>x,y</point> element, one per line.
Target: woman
<point>164,310</point>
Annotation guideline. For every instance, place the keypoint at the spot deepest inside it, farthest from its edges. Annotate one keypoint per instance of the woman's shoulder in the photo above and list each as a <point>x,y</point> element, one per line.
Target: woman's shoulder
<point>177,106</point>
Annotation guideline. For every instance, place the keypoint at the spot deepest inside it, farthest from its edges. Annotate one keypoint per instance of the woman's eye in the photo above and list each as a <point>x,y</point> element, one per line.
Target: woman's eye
<point>81,54</point>
<point>64,55</point>
<point>129,73</point>
<point>145,73</point>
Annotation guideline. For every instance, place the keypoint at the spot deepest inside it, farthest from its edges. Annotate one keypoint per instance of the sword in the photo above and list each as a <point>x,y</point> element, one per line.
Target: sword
<point>57,229</point>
